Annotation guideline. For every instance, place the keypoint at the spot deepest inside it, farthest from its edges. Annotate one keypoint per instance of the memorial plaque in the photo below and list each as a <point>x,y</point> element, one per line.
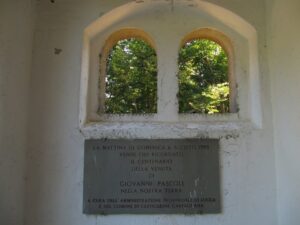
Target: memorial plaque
<point>151,176</point>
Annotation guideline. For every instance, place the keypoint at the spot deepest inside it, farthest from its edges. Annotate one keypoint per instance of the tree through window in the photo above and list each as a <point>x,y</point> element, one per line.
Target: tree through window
<point>203,78</point>
<point>131,78</point>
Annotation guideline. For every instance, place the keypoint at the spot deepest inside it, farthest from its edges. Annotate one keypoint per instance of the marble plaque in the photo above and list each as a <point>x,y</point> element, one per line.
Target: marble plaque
<point>162,176</point>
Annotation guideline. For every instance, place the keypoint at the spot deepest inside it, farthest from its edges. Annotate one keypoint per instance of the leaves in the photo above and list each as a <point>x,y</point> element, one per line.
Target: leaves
<point>131,80</point>
<point>203,80</point>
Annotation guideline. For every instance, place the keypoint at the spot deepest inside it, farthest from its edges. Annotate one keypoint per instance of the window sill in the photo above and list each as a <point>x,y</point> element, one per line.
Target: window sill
<point>188,126</point>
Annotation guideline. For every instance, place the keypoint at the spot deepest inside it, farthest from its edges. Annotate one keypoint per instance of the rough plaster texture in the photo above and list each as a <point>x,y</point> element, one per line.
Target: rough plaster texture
<point>55,150</point>
<point>16,33</point>
<point>284,54</point>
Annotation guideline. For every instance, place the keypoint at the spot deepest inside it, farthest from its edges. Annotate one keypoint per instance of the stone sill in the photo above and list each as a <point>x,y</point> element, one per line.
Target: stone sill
<point>162,130</point>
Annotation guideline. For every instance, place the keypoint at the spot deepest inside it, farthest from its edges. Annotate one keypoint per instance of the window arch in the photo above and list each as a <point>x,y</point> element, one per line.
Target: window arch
<point>206,78</point>
<point>240,41</point>
<point>128,74</point>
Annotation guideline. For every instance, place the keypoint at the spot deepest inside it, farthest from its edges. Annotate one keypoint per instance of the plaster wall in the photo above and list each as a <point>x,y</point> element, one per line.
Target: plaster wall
<point>16,33</point>
<point>284,54</point>
<point>55,149</point>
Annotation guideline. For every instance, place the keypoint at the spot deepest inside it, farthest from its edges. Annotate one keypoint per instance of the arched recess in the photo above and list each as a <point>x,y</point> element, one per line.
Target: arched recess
<point>111,41</point>
<point>97,32</point>
<point>221,39</point>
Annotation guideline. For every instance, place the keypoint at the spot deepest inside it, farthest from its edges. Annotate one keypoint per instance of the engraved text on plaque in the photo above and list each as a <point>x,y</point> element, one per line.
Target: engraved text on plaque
<point>151,176</point>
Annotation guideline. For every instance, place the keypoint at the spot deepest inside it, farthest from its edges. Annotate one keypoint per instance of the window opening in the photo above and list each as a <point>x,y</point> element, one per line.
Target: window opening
<point>203,78</point>
<point>131,78</point>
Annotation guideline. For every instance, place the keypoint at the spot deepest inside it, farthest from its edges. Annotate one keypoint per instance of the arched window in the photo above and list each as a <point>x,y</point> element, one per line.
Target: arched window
<point>205,74</point>
<point>128,82</point>
<point>113,98</point>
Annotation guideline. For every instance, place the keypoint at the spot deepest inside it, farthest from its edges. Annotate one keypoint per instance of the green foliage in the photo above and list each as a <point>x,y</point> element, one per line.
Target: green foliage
<point>203,79</point>
<point>131,80</point>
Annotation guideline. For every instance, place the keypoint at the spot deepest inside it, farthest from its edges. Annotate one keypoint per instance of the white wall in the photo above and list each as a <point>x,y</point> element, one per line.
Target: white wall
<point>284,65</point>
<point>55,145</point>
<point>16,31</point>
<point>55,151</point>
